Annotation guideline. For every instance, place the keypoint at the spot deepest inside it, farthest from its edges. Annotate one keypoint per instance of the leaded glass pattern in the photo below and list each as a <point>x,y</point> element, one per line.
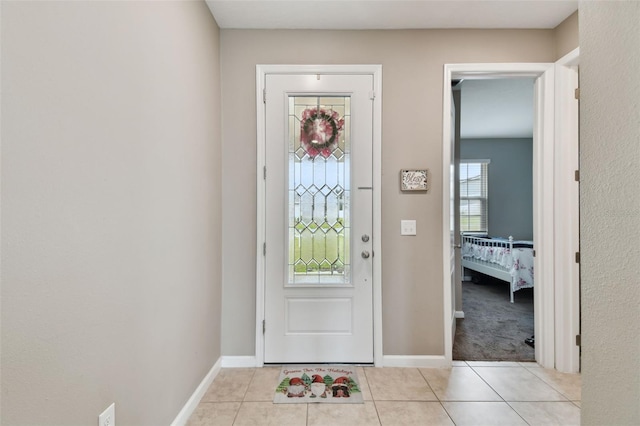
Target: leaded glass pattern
<point>319,192</point>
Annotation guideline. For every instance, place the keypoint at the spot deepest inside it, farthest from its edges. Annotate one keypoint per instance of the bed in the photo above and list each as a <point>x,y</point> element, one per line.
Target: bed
<point>501,258</point>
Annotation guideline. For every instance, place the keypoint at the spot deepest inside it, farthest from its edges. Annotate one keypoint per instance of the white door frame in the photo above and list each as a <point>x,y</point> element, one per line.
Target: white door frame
<point>543,192</point>
<point>567,226</point>
<point>376,72</point>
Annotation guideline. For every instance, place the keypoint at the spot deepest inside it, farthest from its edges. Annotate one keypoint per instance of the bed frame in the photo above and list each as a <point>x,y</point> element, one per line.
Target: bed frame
<point>488,268</point>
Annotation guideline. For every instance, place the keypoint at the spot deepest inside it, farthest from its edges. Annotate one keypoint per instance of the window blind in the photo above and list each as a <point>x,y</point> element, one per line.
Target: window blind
<point>474,196</point>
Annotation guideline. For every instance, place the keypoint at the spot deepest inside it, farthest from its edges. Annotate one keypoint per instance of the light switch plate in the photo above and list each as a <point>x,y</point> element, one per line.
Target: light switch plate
<point>108,416</point>
<point>407,227</point>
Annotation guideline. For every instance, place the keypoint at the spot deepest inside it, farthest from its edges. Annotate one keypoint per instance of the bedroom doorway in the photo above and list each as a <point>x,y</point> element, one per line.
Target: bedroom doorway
<point>543,201</point>
<point>555,159</point>
<point>494,156</point>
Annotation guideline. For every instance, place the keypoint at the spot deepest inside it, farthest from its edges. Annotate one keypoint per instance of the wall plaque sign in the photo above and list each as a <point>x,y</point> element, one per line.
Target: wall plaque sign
<point>413,180</point>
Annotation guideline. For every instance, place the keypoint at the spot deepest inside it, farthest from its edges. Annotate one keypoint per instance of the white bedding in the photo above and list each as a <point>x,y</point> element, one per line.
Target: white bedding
<point>517,261</point>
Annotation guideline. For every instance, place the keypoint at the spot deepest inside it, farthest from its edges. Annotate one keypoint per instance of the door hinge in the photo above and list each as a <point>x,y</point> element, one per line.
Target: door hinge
<point>372,95</point>
<point>577,257</point>
<point>264,172</point>
<point>534,253</point>
<point>578,340</point>
<point>576,93</point>
<point>264,326</point>
<point>264,249</point>
<point>577,175</point>
<point>264,96</point>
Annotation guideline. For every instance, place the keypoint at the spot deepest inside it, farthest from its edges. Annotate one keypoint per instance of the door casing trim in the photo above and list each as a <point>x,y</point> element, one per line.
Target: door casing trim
<point>567,226</point>
<point>261,72</point>
<point>543,190</point>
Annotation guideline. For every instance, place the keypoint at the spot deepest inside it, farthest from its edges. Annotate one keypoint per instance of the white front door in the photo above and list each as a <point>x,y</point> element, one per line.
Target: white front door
<point>318,257</point>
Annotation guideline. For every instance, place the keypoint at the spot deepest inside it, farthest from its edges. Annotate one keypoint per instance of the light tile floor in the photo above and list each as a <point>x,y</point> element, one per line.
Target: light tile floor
<point>469,393</point>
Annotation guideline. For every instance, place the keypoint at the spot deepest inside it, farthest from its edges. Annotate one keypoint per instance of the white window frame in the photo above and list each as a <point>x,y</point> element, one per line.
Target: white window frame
<point>483,199</point>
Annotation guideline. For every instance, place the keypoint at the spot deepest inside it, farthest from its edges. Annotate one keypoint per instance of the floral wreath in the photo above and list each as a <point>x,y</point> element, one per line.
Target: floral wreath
<point>319,131</point>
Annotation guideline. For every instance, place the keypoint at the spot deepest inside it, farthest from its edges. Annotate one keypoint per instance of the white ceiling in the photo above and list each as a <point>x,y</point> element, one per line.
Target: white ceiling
<point>500,108</point>
<point>389,14</point>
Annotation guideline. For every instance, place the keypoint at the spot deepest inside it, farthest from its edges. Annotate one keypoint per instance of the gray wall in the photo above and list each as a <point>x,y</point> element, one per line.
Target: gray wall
<point>412,138</point>
<point>110,209</point>
<point>610,211</point>
<point>510,183</point>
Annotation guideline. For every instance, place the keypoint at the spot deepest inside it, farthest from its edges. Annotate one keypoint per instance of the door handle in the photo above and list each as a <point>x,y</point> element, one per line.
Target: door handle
<point>365,254</point>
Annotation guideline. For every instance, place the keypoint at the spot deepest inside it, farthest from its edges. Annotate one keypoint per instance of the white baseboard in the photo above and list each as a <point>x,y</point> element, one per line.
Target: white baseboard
<point>239,362</point>
<point>183,416</point>
<point>459,314</point>
<point>422,361</point>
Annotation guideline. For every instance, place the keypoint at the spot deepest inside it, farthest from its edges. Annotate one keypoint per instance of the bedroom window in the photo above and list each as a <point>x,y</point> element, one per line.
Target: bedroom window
<point>474,196</point>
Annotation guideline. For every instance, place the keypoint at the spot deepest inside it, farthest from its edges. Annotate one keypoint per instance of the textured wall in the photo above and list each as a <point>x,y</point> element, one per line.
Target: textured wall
<point>110,209</point>
<point>510,183</point>
<point>610,211</point>
<point>411,138</point>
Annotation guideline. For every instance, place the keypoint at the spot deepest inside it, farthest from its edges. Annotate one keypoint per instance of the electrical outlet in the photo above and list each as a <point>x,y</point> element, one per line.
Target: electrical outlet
<point>108,416</point>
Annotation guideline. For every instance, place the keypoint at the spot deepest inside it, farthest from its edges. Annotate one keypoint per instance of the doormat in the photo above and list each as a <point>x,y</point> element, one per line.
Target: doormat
<point>305,384</point>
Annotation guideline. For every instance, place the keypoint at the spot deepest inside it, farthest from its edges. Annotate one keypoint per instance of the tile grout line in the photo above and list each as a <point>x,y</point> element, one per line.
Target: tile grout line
<point>440,401</point>
<point>364,370</point>
<point>429,384</point>
<point>496,392</point>
<point>246,391</point>
<point>539,402</point>
<point>436,395</point>
<point>516,411</point>
<point>448,414</point>
<point>550,383</point>
<point>412,401</point>
<point>501,397</point>
<point>235,418</point>
<point>242,401</point>
<point>533,375</point>
<point>375,407</point>
<point>487,383</point>
<point>373,400</point>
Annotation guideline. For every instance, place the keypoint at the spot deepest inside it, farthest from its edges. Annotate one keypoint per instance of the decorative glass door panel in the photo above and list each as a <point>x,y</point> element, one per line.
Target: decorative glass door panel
<point>319,153</point>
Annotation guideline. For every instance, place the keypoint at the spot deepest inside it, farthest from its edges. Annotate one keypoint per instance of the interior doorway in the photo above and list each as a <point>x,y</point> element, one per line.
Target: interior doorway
<point>543,134</point>
<point>494,158</point>
<point>556,302</point>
